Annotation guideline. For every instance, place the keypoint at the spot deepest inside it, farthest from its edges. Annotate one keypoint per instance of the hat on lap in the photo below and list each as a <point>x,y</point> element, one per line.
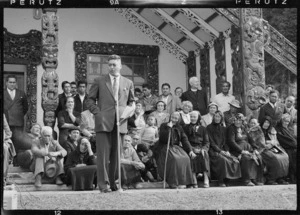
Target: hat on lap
<point>51,169</point>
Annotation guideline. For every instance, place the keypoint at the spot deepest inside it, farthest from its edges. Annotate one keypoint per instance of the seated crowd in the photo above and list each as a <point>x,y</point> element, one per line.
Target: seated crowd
<point>181,138</point>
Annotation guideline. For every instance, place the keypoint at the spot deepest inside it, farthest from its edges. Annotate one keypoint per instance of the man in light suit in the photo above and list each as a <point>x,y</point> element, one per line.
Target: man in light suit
<point>273,109</point>
<point>173,103</point>
<point>109,91</point>
<point>290,108</point>
<point>15,104</point>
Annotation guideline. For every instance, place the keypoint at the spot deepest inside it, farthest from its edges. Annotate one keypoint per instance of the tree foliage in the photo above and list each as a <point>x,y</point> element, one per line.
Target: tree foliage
<point>283,20</point>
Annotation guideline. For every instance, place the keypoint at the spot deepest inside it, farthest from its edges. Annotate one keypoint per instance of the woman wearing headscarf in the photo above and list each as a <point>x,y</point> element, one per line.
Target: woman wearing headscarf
<point>199,141</point>
<point>223,165</point>
<point>239,146</point>
<point>178,166</point>
<point>82,156</point>
<point>289,143</point>
<point>274,156</point>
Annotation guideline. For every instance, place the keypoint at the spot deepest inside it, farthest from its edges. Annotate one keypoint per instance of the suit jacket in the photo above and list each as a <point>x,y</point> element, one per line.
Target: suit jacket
<point>198,99</point>
<point>274,113</point>
<point>78,105</point>
<point>173,103</point>
<point>61,103</point>
<point>16,109</point>
<point>105,110</point>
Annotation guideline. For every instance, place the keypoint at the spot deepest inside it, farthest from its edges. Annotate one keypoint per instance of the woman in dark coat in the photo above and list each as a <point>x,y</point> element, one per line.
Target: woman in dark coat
<point>289,143</point>
<point>82,156</point>
<point>239,146</point>
<point>274,156</point>
<point>223,164</point>
<point>199,141</point>
<point>178,168</point>
<point>67,118</point>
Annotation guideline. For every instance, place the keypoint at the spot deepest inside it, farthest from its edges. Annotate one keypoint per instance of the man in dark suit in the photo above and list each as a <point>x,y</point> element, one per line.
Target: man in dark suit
<point>15,104</point>
<point>65,85</point>
<point>173,103</point>
<point>109,91</point>
<point>81,97</point>
<point>196,96</point>
<point>273,109</point>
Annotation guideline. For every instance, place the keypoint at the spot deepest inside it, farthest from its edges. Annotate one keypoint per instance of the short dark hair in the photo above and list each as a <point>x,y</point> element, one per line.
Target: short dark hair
<point>226,82</point>
<point>270,85</point>
<point>63,84</point>
<point>72,83</point>
<point>274,91</point>
<point>137,90</point>
<point>166,84</point>
<point>11,76</point>
<point>81,82</point>
<point>113,57</point>
<point>146,86</point>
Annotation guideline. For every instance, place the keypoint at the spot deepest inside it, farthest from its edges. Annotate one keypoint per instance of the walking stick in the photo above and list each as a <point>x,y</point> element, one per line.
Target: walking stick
<point>168,145</point>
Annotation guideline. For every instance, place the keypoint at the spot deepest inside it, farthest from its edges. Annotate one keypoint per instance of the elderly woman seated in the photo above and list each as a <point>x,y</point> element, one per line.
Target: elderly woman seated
<point>130,165</point>
<point>199,141</point>
<point>274,156</point>
<point>81,177</point>
<point>238,142</point>
<point>289,143</point>
<point>208,118</point>
<point>223,164</point>
<point>24,155</point>
<point>173,158</point>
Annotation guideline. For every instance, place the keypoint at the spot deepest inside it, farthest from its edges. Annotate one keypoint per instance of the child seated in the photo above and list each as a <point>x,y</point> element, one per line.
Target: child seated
<point>149,134</point>
<point>150,172</point>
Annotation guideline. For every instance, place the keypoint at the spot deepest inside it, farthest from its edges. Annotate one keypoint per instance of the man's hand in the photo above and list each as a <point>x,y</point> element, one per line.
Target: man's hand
<point>145,159</point>
<point>80,164</point>
<point>192,155</point>
<point>52,154</point>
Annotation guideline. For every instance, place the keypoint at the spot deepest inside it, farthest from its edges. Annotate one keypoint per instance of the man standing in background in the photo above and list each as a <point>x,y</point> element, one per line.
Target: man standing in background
<point>224,98</point>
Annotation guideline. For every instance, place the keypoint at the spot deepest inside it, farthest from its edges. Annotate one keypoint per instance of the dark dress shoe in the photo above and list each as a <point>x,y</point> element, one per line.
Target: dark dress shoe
<point>106,190</point>
<point>281,181</point>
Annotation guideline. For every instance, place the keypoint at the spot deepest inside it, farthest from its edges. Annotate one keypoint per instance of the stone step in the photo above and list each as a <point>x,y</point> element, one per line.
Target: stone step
<point>32,188</point>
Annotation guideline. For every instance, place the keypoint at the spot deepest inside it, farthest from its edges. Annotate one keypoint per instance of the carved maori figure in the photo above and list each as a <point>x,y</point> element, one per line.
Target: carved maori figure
<point>49,59</point>
<point>204,71</point>
<point>49,118</point>
<point>254,71</point>
<point>49,90</point>
<point>191,64</point>
<point>220,66</point>
<point>50,29</point>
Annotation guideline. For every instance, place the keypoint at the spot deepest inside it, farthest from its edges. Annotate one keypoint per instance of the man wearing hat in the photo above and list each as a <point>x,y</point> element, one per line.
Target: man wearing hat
<point>44,149</point>
<point>72,140</point>
<point>229,115</point>
<point>224,98</point>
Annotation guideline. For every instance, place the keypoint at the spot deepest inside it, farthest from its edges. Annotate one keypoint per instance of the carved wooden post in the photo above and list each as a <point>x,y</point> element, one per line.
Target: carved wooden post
<point>191,65</point>
<point>220,67</point>
<point>204,70</point>
<point>49,62</point>
<point>253,66</point>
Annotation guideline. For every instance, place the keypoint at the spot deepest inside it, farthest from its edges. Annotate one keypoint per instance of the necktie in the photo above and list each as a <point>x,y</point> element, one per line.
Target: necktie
<point>115,88</point>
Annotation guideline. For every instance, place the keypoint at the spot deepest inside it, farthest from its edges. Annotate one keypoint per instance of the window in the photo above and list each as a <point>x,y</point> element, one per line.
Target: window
<point>133,68</point>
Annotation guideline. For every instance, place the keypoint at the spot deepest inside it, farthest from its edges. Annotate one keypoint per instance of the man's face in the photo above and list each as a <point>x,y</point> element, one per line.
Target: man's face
<point>289,102</point>
<point>225,88</point>
<point>81,89</point>
<point>195,83</point>
<point>74,135</point>
<point>11,83</point>
<point>73,89</point>
<point>273,98</point>
<point>165,90</point>
<point>36,130</point>
<point>46,136</point>
<point>114,67</point>
<point>146,91</point>
<point>127,142</point>
<point>135,140</point>
<point>67,88</point>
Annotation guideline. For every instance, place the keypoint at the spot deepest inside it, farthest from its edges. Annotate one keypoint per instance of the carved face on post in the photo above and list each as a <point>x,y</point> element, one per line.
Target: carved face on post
<point>49,118</point>
<point>255,98</point>
<point>49,59</point>
<point>50,29</point>
<point>50,86</point>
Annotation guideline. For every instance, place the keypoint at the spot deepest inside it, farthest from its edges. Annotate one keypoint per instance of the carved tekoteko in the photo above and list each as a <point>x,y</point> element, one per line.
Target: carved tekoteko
<point>253,61</point>
<point>49,62</point>
<point>191,64</point>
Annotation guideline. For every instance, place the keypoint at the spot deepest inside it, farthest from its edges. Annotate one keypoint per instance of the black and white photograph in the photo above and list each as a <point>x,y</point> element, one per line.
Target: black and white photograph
<point>173,106</point>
